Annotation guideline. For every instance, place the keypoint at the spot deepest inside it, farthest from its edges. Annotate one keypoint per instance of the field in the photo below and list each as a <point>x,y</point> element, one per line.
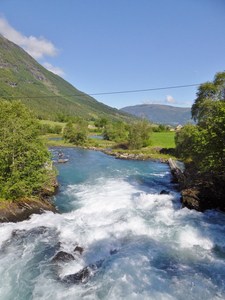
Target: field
<point>163,139</point>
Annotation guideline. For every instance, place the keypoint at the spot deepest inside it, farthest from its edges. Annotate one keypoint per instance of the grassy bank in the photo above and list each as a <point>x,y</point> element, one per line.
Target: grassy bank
<point>163,139</point>
<point>159,140</point>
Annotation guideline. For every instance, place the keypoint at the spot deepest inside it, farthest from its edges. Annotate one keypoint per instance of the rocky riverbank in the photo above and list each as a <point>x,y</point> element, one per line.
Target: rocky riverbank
<point>199,191</point>
<point>20,210</point>
<point>130,155</point>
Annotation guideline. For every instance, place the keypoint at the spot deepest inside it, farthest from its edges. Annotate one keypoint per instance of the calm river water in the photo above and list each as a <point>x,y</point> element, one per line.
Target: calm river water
<point>137,243</point>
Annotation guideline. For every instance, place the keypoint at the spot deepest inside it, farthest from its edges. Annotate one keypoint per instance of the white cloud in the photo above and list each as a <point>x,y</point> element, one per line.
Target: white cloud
<point>55,70</point>
<point>38,47</point>
<point>170,99</point>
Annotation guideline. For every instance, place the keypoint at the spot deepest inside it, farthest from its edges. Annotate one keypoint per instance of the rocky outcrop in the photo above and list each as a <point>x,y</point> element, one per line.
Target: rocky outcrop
<point>23,209</point>
<point>199,191</point>
<point>80,277</point>
<point>63,256</point>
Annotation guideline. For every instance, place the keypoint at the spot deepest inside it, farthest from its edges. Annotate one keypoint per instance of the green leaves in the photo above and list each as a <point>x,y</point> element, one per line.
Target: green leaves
<point>204,143</point>
<point>139,134</point>
<point>22,154</point>
<point>76,133</point>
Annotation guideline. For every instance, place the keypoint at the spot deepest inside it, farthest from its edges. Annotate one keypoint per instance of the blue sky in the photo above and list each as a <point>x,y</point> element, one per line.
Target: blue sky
<point>115,45</point>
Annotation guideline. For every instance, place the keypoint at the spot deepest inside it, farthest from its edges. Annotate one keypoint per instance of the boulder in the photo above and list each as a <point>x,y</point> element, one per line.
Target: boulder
<point>79,249</point>
<point>113,251</point>
<point>22,209</point>
<point>164,192</point>
<point>190,198</point>
<point>83,275</point>
<point>63,256</point>
<point>79,277</point>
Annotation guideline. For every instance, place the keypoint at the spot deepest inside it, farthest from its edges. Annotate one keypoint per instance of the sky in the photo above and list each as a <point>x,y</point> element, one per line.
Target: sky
<point>103,46</point>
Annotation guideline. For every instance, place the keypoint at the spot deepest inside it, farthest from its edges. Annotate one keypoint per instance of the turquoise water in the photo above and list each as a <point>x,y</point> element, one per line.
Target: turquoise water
<point>138,244</point>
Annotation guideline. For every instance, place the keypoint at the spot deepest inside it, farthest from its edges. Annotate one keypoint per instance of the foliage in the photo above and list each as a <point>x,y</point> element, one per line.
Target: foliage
<point>23,158</point>
<point>184,140</point>
<point>208,93</point>
<point>204,143</point>
<point>115,131</point>
<point>139,134</point>
<point>136,135</point>
<point>210,144</point>
<point>101,123</point>
<point>47,128</point>
<point>160,128</point>
<point>76,133</point>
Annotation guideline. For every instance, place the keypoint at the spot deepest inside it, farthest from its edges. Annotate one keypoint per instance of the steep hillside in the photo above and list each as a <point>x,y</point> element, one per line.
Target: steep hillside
<point>163,114</point>
<point>47,94</point>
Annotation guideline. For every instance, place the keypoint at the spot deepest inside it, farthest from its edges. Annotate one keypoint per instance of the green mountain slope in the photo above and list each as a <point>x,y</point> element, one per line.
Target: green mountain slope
<point>163,114</point>
<point>47,94</point>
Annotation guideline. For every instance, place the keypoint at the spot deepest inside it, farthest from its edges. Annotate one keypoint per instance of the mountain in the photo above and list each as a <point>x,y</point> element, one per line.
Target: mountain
<point>47,94</point>
<point>163,114</point>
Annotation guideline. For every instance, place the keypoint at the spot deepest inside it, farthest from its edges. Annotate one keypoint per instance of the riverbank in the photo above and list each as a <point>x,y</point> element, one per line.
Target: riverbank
<point>22,209</point>
<point>199,191</point>
<point>160,150</point>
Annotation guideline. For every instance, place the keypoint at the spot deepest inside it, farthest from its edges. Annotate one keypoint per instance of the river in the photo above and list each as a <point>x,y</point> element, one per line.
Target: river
<point>138,243</point>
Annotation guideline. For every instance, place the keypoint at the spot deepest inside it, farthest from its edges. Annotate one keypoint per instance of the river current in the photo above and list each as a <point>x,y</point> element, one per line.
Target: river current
<point>138,243</point>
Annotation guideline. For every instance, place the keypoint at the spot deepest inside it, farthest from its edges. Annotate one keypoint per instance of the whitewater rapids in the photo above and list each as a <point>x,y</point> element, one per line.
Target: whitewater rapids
<point>149,247</point>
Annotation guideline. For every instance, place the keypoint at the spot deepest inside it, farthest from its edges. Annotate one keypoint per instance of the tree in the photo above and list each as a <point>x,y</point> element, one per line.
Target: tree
<point>101,123</point>
<point>139,134</point>
<point>116,131</point>
<point>23,157</point>
<point>208,93</point>
<point>204,143</point>
<point>211,143</point>
<point>184,140</point>
<point>76,133</point>
<point>69,131</point>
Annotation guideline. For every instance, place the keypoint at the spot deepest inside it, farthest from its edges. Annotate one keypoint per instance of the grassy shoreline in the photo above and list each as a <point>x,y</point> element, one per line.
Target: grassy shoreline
<point>161,148</point>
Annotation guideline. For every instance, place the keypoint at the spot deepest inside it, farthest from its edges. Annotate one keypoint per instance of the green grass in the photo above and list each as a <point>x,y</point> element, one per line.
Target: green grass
<point>163,139</point>
<point>159,140</point>
<point>52,123</point>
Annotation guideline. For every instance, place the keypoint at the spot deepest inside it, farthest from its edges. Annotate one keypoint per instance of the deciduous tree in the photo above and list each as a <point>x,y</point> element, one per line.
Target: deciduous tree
<point>23,157</point>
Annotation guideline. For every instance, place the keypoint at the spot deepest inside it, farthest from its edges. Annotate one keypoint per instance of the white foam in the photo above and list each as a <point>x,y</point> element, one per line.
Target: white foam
<point>151,236</point>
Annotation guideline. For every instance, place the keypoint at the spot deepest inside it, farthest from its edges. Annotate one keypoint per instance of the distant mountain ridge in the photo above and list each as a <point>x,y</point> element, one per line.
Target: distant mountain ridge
<point>47,94</point>
<point>162,114</point>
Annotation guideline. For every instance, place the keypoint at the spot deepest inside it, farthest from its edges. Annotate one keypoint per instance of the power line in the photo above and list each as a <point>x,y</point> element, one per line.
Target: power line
<point>82,94</point>
<point>146,90</point>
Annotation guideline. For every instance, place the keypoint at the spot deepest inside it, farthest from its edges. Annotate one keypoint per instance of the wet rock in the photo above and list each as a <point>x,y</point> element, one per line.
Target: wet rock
<point>114,251</point>
<point>190,198</point>
<point>79,249</point>
<point>21,210</point>
<point>79,277</point>
<point>16,233</point>
<point>177,173</point>
<point>164,192</point>
<point>22,233</point>
<point>63,256</point>
<point>83,275</point>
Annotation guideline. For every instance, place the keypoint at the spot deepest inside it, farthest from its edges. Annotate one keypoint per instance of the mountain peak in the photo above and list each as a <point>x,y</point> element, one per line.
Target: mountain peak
<point>47,94</point>
<point>161,114</point>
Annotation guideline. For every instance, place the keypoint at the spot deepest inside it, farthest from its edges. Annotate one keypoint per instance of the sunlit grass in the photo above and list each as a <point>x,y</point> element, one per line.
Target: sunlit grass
<point>159,140</point>
<point>163,139</point>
